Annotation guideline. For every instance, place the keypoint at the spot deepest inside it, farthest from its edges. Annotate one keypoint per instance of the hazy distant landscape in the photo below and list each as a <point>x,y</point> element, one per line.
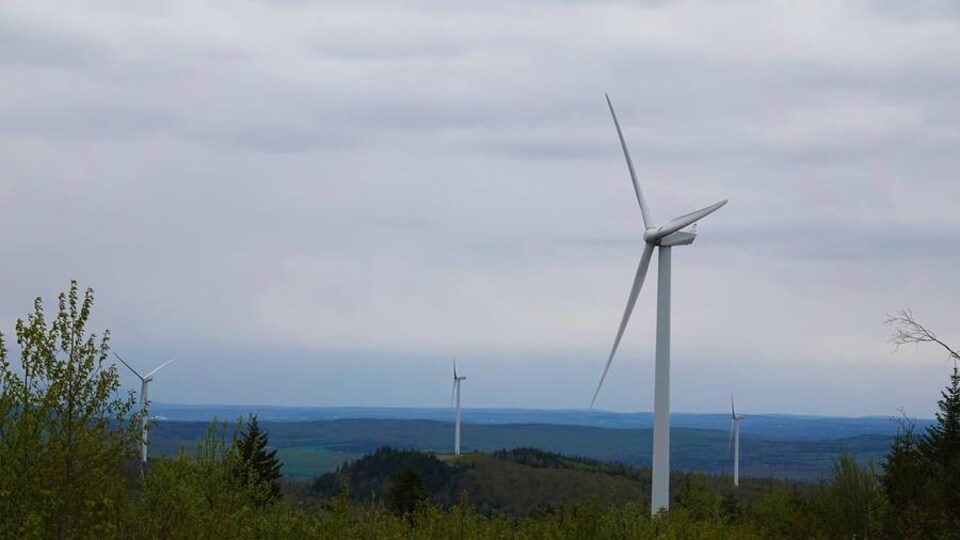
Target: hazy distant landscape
<point>767,426</point>
<point>316,440</point>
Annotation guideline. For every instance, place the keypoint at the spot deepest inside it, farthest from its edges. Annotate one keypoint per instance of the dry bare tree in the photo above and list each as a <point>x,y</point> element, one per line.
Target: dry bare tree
<point>909,331</point>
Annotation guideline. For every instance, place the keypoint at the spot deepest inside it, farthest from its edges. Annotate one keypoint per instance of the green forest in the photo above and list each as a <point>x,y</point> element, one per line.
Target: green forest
<point>70,468</point>
<point>311,448</point>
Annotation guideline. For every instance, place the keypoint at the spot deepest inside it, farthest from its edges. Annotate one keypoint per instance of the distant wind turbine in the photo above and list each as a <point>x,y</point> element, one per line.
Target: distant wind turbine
<point>735,439</point>
<point>664,236</point>
<point>144,382</point>
<point>456,391</point>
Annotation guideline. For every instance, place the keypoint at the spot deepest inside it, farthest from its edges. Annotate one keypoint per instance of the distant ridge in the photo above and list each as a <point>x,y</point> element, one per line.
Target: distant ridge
<point>308,448</point>
<point>769,426</point>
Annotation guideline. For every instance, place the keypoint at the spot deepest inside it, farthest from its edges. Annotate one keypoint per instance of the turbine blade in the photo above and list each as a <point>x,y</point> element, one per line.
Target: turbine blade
<point>631,300</point>
<point>733,409</point>
<point>141,377</point>
<point>161,366</point>
<point>644,211</point>
<point>454,368</point>
<point>453,391</point>
<point>680,222</point>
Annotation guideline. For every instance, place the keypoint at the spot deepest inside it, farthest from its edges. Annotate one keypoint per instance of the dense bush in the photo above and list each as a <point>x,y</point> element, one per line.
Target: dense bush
<point>65,435</point>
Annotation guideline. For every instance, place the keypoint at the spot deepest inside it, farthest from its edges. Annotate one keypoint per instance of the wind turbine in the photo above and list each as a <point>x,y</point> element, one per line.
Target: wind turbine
<point>456,390</point>
<point>664,237</point>
<point>144,382</point>
<point>735,439</point>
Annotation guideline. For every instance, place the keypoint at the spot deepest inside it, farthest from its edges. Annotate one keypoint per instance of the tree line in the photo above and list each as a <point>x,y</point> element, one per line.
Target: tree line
<point>69,469</point>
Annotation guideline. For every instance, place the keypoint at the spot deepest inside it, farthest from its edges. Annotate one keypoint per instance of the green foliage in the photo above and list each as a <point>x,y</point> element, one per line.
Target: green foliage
<point>406,492</point>
<point>904,481</point>
<point>201,495</point>
<point>941,447</point>
<point>701,502</point>
<point>849,505</point>
<point>370,476</point>
<point>257,465</point>
<point>779,513</point>
<point>535,457</point>
<point>503,485</point>
<point>921,474</point>
<point>65,435</point>
<point>503,482</point>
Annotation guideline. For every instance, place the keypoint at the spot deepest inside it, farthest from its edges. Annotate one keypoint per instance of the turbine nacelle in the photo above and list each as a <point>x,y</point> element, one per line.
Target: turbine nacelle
<point>661,236</point>
<point>455,376</point>
<point>679,238</point>
<point>734,415</point>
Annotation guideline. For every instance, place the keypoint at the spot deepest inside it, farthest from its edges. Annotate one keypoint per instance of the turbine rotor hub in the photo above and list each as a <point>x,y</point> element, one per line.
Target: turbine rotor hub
<point>678,238</point>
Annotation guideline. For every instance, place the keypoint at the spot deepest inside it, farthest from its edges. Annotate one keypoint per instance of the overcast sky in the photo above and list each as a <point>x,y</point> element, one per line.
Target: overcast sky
<point>314,203</point>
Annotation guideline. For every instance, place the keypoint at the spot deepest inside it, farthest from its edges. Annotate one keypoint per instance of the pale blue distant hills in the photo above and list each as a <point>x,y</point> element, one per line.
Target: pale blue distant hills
<point>765,426</point>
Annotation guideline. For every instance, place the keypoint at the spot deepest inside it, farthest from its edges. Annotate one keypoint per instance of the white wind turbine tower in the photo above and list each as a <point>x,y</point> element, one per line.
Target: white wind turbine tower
<point>664,236</point>
<point>735,439</point>
<point>456,390</point>
<point>144,382</point>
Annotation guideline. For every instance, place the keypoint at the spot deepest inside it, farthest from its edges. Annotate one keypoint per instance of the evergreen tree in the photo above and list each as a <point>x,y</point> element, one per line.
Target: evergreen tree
<point>940,445</point>
<point>905,482</point>
<point>258,466</point>
<point>922,474</point>
<point>407,492</point>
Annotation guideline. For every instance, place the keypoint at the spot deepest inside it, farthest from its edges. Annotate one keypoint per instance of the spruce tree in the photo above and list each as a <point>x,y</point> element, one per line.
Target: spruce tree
<point>258,466</point>
<point>922,473</point>
<point>407,492</point>
<point>940,445</point>
<point>905,481</point>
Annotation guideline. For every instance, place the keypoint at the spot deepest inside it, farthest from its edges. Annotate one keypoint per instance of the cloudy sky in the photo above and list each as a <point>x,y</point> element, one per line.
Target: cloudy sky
<point>321,203</point>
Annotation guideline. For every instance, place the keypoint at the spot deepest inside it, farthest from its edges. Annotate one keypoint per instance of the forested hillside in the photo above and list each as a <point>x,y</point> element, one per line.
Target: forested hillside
<point>312,448</point>
<point>520,481</point>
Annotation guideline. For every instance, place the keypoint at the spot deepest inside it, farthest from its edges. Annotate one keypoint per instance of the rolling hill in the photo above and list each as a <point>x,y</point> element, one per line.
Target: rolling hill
<point>312,448</point>
<point>517,482</point>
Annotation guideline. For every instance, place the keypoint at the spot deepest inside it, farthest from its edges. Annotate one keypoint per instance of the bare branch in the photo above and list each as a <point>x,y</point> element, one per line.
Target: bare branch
<point>909,331</point>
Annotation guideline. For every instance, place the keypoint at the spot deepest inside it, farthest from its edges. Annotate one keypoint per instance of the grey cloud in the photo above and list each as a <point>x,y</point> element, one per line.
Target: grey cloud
<point>847,243</point>
<point>438,181</point>
<point>818,242</point>
<point>72,120</point>
<point>29,46</point>
<point>544,146</point>
<point>921,10</point>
